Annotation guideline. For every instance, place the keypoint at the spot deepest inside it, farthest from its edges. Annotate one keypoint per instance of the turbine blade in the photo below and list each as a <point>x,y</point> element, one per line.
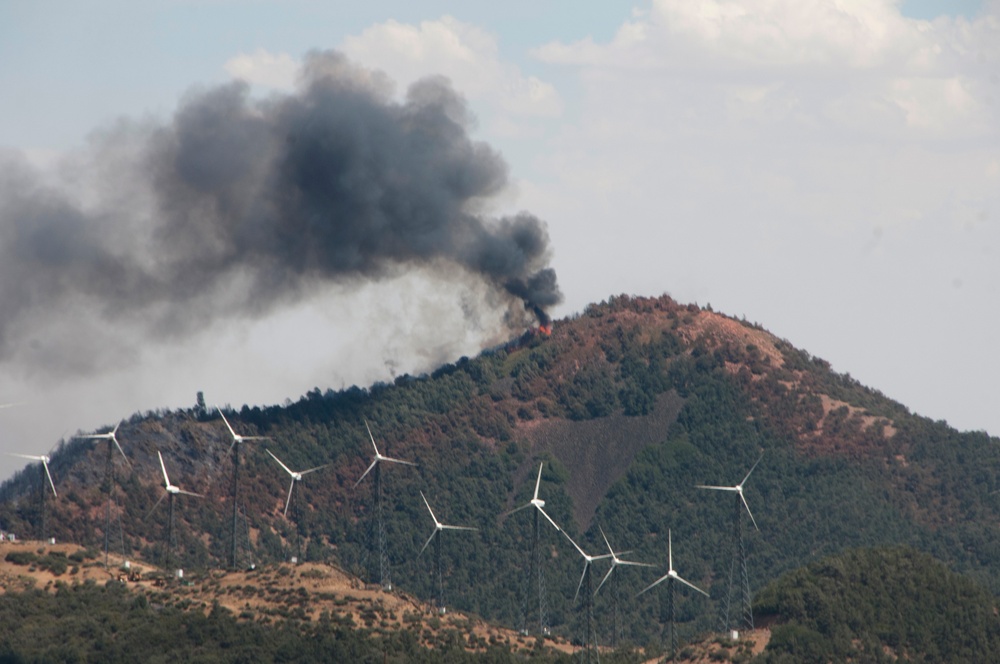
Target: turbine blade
<point>754,521</point>
<point>115,440</point>
<point>516,509</point>
<point>190,493</point>
<point>634,563</point>
<point>447,527</point>
<point>372,437</point>
<point>717,488</point>
<point>289,499</point>
<point>539,480</point>
<point>429,509</point>
<point>586,566</point>
<point>155,505</point>
<point>166,480</point>
<point>601,584</point>
<point>366,472</point>
<point>609,547</point>
<point>575,546</point>
<point>306,472</point>
<point>233,433</point>
<point>428,541</point>
<point>392,460</point>
<point>751,469</point>
<point>287,470</point>
<point>554,524</point>
<point>654,583</point>
<point>33,457</point>
<point>691,585</point>
<point>670,551</point>
<point>45,463</point>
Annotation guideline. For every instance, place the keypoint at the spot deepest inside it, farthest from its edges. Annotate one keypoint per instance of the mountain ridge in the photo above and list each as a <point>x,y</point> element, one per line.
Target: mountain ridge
<point>628,405</point>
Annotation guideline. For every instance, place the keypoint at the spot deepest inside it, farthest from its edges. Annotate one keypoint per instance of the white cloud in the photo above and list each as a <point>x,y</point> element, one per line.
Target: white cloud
<point>263,68</point>
<point>466,54</point>
<point>827,167</point>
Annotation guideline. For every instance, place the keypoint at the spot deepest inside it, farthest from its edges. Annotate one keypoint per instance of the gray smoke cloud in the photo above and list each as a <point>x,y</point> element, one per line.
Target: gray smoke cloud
<point>240,205</point>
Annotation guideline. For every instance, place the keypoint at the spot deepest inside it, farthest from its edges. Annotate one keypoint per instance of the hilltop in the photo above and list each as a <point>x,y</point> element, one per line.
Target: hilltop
<point>629,405</point>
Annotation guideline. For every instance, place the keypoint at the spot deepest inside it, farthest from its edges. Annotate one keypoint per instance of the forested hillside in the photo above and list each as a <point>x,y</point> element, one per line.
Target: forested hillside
<point>629,405</point>
<point>879,606</point>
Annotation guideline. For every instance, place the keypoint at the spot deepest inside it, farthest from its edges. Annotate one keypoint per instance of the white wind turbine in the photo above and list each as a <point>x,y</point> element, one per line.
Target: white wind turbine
<point>296,477</point>
<point>111,437</point>
<point>45,475</point>
<point>670,576</point>
<point>615,563</point>
<point>384,574</point>
<point>109,481</point>
<point>378,457</point>
<point>739,550</point>
<point>535,562</point>
<point>44,458</point>
<point>438,527</point>
<point>590,642</point>
<point>234,447</point>
<point>170,491</point>
<point>738,489</point>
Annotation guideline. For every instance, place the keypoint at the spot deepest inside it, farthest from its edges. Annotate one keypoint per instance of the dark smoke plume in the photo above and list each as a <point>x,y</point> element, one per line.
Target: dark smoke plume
<point>240,205</point>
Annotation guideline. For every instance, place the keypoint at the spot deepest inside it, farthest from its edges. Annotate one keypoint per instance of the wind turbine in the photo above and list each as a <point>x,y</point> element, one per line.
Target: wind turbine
<point>109,481</point>
<point>615,563</point>
<point>234,448</point>
<point>45,475</point>
<point>739,550</point>
<point>111,437</point>
<point>535,560</point>
<point>590,642</point>
<point>438,527</point>
<point>669,577</point>
<point>170,491</point>
<point>384,575</point>
<point>296,477</point>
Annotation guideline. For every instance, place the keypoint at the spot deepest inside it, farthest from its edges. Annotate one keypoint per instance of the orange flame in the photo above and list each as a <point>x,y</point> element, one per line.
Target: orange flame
<point>545,329</point>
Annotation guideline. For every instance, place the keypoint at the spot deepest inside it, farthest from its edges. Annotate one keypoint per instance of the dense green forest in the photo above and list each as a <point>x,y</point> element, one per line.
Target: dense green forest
<point>629,406</point>
<point>90,622</point>
<point>876,606</point>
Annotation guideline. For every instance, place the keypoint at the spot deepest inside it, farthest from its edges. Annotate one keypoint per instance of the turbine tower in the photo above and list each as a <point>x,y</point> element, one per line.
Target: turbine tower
<point>535,558</point>
<point>45,476</point>
<point>590,641</point>
<point>438,527</point>
<point>615,563</point>
<point>296,477</point>
<point>109,484</point>
<point>170,492</point>
<point>384,575</point>
<point>234,449</point>
<point>670,577</point>
<point>739,559</point>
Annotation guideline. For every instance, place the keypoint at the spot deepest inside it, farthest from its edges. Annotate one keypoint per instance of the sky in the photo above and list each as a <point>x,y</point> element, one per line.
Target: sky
<point>829,169</point>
